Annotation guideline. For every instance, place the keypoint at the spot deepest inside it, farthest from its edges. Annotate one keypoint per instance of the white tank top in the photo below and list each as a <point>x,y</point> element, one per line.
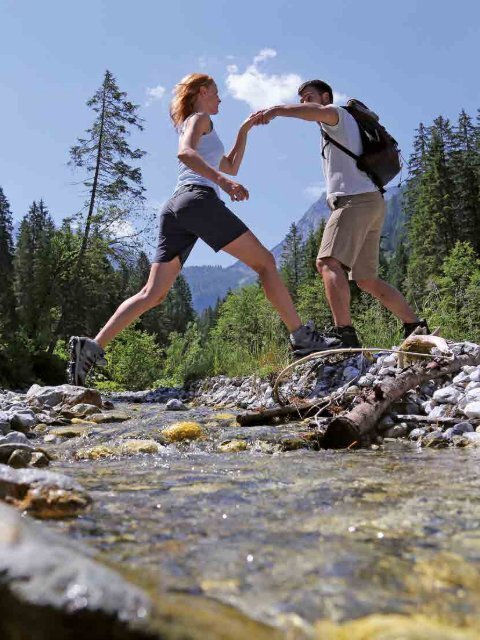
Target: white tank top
<point>211,149</point>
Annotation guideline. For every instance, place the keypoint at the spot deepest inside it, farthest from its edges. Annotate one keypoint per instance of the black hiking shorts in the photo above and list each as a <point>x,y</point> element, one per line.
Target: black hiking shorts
<point>193,212</point>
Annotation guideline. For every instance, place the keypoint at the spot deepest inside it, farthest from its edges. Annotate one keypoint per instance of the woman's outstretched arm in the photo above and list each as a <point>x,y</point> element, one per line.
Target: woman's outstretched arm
<point>231,162</point>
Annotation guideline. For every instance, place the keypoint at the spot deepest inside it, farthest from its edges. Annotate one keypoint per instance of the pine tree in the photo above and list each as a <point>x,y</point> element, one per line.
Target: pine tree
<point>465,165</point>
<point>114,186</point>
<point>310,253</point>
<point>292,261</point>
<point>34,268</point>
<point>432,225</point>
<point>178,305</point>
<point>7,297</point>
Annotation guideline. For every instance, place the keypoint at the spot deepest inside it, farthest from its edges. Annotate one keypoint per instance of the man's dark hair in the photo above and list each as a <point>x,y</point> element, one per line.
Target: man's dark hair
<point>319,85</point>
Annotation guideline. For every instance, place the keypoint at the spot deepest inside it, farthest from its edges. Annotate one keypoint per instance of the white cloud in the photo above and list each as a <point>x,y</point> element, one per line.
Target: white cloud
<point>339,98</point>
<point>259,89</point>
<point>314,191</point>
<point>202,62</point>
<point>264,55</point>
<point>154,94</point>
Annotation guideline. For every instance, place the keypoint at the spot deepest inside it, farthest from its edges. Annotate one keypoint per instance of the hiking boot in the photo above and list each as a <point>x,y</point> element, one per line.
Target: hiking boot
<point>347,337</point>
<point>85,353</point>
<point>409,328</point>
<point>306,340</point>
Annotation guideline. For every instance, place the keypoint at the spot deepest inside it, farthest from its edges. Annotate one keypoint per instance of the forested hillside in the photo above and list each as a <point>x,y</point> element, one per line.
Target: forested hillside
<point>59,280</point>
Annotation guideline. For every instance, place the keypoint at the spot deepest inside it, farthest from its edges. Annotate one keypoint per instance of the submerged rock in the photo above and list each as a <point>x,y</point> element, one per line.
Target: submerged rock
<point>42,493</point>
<point>126,448</point>
<point>233,446</point>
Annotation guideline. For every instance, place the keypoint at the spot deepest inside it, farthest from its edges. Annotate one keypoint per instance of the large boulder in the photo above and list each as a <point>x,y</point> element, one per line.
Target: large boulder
<point>51,589</point>
<point>63,396</point>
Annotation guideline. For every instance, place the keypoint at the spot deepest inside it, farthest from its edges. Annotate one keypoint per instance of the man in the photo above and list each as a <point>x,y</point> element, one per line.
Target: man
<point>351,240</point>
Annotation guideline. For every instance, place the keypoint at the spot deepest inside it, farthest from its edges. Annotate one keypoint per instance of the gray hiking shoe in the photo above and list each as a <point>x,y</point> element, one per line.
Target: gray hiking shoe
<point>306,340</point>
<point>85,353</point>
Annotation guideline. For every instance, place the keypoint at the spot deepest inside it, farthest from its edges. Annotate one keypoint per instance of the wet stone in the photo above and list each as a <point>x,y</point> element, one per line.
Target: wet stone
<point>111,416</point>
<point>20,458</point>
<point>183,431</point>
<point>175,405</point>
<point>233,446</point>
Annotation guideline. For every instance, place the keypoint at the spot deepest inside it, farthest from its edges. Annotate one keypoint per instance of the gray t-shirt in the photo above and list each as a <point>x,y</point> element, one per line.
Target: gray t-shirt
<point>342,176</point>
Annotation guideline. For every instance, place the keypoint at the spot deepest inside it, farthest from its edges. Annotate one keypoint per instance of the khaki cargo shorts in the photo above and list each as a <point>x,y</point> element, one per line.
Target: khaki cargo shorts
<point>352,233</point>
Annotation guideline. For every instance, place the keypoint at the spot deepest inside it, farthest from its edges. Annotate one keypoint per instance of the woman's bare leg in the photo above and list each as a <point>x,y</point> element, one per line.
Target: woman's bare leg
<point>160,281</point>
<point>251,252</point>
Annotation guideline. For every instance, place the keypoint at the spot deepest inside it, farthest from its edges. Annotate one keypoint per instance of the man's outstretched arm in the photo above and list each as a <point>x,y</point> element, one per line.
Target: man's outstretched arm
<point>312,112</point>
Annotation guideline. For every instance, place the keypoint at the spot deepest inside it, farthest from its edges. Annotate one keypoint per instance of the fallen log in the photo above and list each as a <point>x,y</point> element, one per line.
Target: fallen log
<point>359,422</point>
<point>267,416</point>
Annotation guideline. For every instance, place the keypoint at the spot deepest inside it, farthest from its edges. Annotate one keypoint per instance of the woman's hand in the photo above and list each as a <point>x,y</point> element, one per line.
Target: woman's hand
<point>265,116</point>
<point>250,122</point>
<point>235,190</point>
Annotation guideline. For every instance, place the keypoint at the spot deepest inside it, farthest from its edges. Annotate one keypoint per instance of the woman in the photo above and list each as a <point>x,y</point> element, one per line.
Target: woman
<point>196,211</point>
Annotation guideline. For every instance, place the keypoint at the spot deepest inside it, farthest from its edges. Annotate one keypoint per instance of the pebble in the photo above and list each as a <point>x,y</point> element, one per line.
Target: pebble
<point>449,395</point>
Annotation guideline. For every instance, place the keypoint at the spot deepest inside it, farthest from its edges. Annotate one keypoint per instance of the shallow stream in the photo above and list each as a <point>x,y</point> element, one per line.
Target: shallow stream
<point>289,537</point>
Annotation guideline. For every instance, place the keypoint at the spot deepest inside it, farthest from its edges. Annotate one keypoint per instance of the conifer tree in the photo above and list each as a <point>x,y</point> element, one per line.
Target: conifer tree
<point>7,297</point>
<point>113,184</point>
<point>292,260</point>
<point>34,273</point>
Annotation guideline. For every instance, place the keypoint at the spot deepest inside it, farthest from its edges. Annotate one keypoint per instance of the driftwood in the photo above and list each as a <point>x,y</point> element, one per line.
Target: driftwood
<point>358,423</point>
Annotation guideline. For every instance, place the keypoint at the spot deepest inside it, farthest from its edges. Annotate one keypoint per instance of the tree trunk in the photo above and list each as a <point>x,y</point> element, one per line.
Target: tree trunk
<point>358,423</point>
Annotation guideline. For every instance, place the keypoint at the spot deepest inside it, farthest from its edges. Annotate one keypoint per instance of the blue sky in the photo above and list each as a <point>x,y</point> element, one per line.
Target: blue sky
<point>410,61</point>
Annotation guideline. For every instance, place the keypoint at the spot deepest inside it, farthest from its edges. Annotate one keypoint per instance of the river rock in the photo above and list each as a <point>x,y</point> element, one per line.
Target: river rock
<point>175,405</point>
<point>417,433</point>
<point>42,493</point>
<point>23,420</point>
<point>434,439</point>
<point>63,396</point>
<point>441,411</point>
<point>450,395</point>
<point>126,448</point>
<point>81,410</point>
<point>73,431</point>
<point>458,429</point>
<point>20,458</point>
<point>472,409</point>
<point>4,423</point>
<point>475,375</point>
<point>182,431</point>
<point>233,446</point>
<point>52,589</point>
<point>14,437</point>
<point>110,416</point>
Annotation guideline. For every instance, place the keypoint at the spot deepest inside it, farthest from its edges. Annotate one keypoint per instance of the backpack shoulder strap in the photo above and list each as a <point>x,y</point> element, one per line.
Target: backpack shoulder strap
<point>327,138</point>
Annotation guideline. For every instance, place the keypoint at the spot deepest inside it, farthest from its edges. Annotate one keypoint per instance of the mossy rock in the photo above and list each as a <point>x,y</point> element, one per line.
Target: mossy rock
<point>233,446</point>
<point>112,416</point>
<point>125,448</point>
<point>72,431</point>
<point>183,431</point>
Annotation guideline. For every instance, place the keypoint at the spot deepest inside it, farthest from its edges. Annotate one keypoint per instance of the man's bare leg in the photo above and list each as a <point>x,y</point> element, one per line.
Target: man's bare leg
<point>390,297</point>
<point>337,290</point>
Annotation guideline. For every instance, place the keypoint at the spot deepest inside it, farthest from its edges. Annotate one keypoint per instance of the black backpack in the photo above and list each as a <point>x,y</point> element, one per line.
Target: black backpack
<point>380,159</point>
